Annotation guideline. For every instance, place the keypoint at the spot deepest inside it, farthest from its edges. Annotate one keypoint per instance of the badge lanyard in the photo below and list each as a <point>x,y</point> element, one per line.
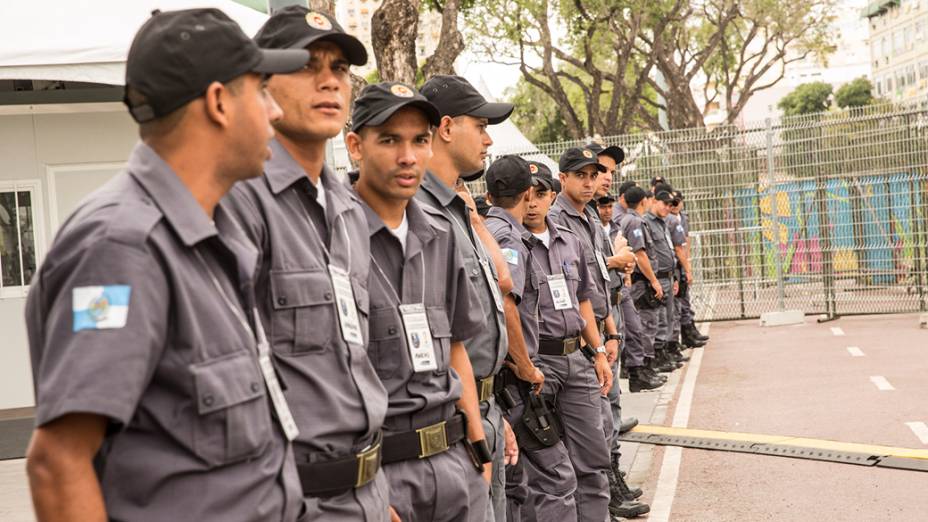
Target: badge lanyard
<point>415,323</point>
<point>484,265</point>
<point>557,285</point>
<point>264,357</point>
<point>348,320</point>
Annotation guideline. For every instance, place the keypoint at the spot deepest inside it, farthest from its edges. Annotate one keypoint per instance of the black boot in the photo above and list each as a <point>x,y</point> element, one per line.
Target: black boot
<point>694,332</point>
<point>620,505</point>
<point>686,334</point>
<point>638,381</point>
<point>676,352</point>
<point>662,360</point>
<point>623,372</point>
<point>653,375</point>
<point>629,493</point>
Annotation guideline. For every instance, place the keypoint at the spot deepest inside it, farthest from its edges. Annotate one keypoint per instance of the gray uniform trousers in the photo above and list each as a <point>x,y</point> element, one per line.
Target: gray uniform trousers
<point>668,327</point>
<point>582,412</point>
<point>636,349</point>
<point>613,400</point>
<point>496,440</point>
<point>443,487</point>
<point>651,318</point>
<point>686,309</point>
<point>541,486</point>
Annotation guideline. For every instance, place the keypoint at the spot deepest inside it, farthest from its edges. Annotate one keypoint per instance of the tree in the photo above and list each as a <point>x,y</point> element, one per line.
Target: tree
<point>856,93</point>
<point>597,55</point>
<point>535,114</point>
<point>807,98</point>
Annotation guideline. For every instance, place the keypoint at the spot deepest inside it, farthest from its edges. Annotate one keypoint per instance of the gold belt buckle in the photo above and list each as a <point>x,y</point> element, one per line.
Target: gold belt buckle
<point>432,440</point>
<point>570,346</point>
<point>486,388</point>
<point>368,464</point>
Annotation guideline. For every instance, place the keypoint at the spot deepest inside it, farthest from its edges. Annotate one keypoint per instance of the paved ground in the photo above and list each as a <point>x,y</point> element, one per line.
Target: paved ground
<point>802,381</point>
<point>794,380</point>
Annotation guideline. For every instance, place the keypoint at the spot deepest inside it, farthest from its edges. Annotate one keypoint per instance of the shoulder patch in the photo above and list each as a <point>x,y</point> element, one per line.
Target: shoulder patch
<point>100,307</point>
<point>511,256</point>
<point>637,232</point>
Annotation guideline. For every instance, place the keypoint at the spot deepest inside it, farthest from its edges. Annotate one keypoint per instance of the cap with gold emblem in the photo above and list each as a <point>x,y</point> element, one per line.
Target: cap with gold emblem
<point>379,101</point>
<point>296,27</point>
<point>576,158</point>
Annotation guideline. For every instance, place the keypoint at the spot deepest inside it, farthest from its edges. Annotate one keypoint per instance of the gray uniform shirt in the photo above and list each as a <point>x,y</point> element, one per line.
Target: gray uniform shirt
<point>517,244</point>
<point>431,270</point>
<point>664,257</point>
<point>676,229</point>
<point>618,212</point>
<point>566,254</point>
<point>336,397</point>
<point>588,229</point>
<point>488,345</point>
<point>639,237</point>
<point>163,354</point>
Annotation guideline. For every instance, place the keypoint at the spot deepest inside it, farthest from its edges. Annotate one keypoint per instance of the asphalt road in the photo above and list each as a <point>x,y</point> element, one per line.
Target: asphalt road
<point>804,381</point>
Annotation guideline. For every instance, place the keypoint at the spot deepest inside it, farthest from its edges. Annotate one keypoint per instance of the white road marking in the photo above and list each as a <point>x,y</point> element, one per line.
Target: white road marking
<point>881,383</point>
<point>855,351</point>
<point>836,330</point>
<point>920,430</point>
<point>670,469</point>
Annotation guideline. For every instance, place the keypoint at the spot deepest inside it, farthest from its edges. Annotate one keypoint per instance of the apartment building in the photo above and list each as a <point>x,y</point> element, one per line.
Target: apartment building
<point>898,48</point>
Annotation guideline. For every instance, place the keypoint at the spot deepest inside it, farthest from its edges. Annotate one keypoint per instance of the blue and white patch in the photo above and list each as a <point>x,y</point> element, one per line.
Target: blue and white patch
<point>100,307</point>
<point>637,232</point>
<point>511,256</point>
<point>680,228</point>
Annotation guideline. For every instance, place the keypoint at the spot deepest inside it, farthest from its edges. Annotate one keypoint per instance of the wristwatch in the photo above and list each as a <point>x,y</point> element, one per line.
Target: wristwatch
<point>613,337</point>
<point>601,349</point>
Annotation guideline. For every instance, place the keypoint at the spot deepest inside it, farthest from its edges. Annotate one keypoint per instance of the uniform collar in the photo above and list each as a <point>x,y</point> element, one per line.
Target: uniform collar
<point>420,224</point>
<point>511,220</point>
<point>175,200</point>
<point>282,171</point>
<point>437,188</point>
<point>566,206</point>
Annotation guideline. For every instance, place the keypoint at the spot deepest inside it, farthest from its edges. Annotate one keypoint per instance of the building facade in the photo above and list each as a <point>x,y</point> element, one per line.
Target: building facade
<point>898,48</point>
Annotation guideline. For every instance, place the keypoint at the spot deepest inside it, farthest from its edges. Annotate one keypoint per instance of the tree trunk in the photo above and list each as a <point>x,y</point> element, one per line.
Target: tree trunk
<point>449,46</point>
<point>393,36</point>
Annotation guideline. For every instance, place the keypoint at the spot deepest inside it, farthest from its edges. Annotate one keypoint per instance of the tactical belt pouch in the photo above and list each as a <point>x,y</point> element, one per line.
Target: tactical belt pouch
<point>558,346</point>
<point>334,477</point>
<point>424,442</point>
<point>648,300</point>
<point>504,380</point>
<point>540,426</point>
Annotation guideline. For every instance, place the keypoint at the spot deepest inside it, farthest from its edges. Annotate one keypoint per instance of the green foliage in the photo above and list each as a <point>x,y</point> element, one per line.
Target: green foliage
<point>536,114</point>
<point>856,93</point>
<point>808,98</point>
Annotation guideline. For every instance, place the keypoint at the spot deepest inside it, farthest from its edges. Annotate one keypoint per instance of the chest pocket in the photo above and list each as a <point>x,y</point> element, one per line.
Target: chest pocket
<point>304,318</point>
<point>386,349</point>
<point>234,420</point>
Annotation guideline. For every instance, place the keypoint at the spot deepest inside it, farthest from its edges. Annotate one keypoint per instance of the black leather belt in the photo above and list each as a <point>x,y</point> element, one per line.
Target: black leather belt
<point>558,346</point>
<point>638,276</point>
<point>485,388</point>
<point>327,479</point>
<point>424,442</point>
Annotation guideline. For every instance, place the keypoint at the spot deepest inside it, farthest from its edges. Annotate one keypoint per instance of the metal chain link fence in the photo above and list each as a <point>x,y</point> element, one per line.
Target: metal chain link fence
<point>824,213</point>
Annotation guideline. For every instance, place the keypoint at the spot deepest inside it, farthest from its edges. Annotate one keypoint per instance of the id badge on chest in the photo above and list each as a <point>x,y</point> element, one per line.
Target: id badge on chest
<point>345,303</point>
<point>560,294</point>
<point>494,286</point>
<point>418,337</point>
<point>273,384</point>
<point>601,261</point>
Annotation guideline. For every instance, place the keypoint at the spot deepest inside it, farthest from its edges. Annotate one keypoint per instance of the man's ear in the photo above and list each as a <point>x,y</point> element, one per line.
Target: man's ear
<point>218,103</point>
<point>353,144</point>
<point>445,128</point>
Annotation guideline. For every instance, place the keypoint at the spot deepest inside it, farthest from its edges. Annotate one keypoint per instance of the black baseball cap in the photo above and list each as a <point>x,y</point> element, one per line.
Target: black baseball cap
<point>678,195</point>
<point>662,187</point>
<point>455,96</point>
<point>483,208</point>
<point>576,158</point>
<point>378,101</point>
<point>354,176</point>
<point>623,188</point>
<point>296,27</point>
<point>635,195</point>
<point>613,151</point>
<point>605,200</point>
<point>541,174</point>
<point>176,55</point>
<point>664,196</point>
<point>508,176</point>
<point>657,180</point>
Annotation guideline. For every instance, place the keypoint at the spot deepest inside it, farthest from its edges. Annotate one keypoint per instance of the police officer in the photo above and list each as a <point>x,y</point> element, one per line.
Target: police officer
<point>509,180</point>
<point>620,208</point>
<point>459,146</point>
<point>313,268</point>
<point>658,321</point>
<point>153,380</point>
<point>640,362</point>
<point>420,312</point>
<point>604,205</point>
<point>680,231</point>
<point>566,312</point>
<point>670,317</point>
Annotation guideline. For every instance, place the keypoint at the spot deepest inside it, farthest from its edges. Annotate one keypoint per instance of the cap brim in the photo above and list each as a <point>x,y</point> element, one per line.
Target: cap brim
<point>614,152</point>
<point>281,61</point>
<point>548,183</point>
<point>431,112</point>
<point>588,161</point>
<point>494,112</point>
<point>352,47</point>
<point>473,177</point>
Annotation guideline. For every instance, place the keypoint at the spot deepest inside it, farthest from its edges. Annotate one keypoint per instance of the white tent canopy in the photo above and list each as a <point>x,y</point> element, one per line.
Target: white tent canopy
<point>86,40</point>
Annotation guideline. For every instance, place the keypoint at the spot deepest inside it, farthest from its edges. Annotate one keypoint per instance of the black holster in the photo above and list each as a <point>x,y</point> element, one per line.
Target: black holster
<point>540,426</point>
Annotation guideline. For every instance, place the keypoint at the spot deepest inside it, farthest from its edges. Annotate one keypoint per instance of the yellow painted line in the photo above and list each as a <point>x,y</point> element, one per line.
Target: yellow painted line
<point>799,442</point>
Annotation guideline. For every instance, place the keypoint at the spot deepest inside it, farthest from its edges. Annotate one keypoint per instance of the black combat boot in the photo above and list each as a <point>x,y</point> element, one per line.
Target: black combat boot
<point>620,505</point>
<point>694,332</point>
<point>676,352</point>
<point>662,360</point>
<point>627,491</point>
<point>638,380</point>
